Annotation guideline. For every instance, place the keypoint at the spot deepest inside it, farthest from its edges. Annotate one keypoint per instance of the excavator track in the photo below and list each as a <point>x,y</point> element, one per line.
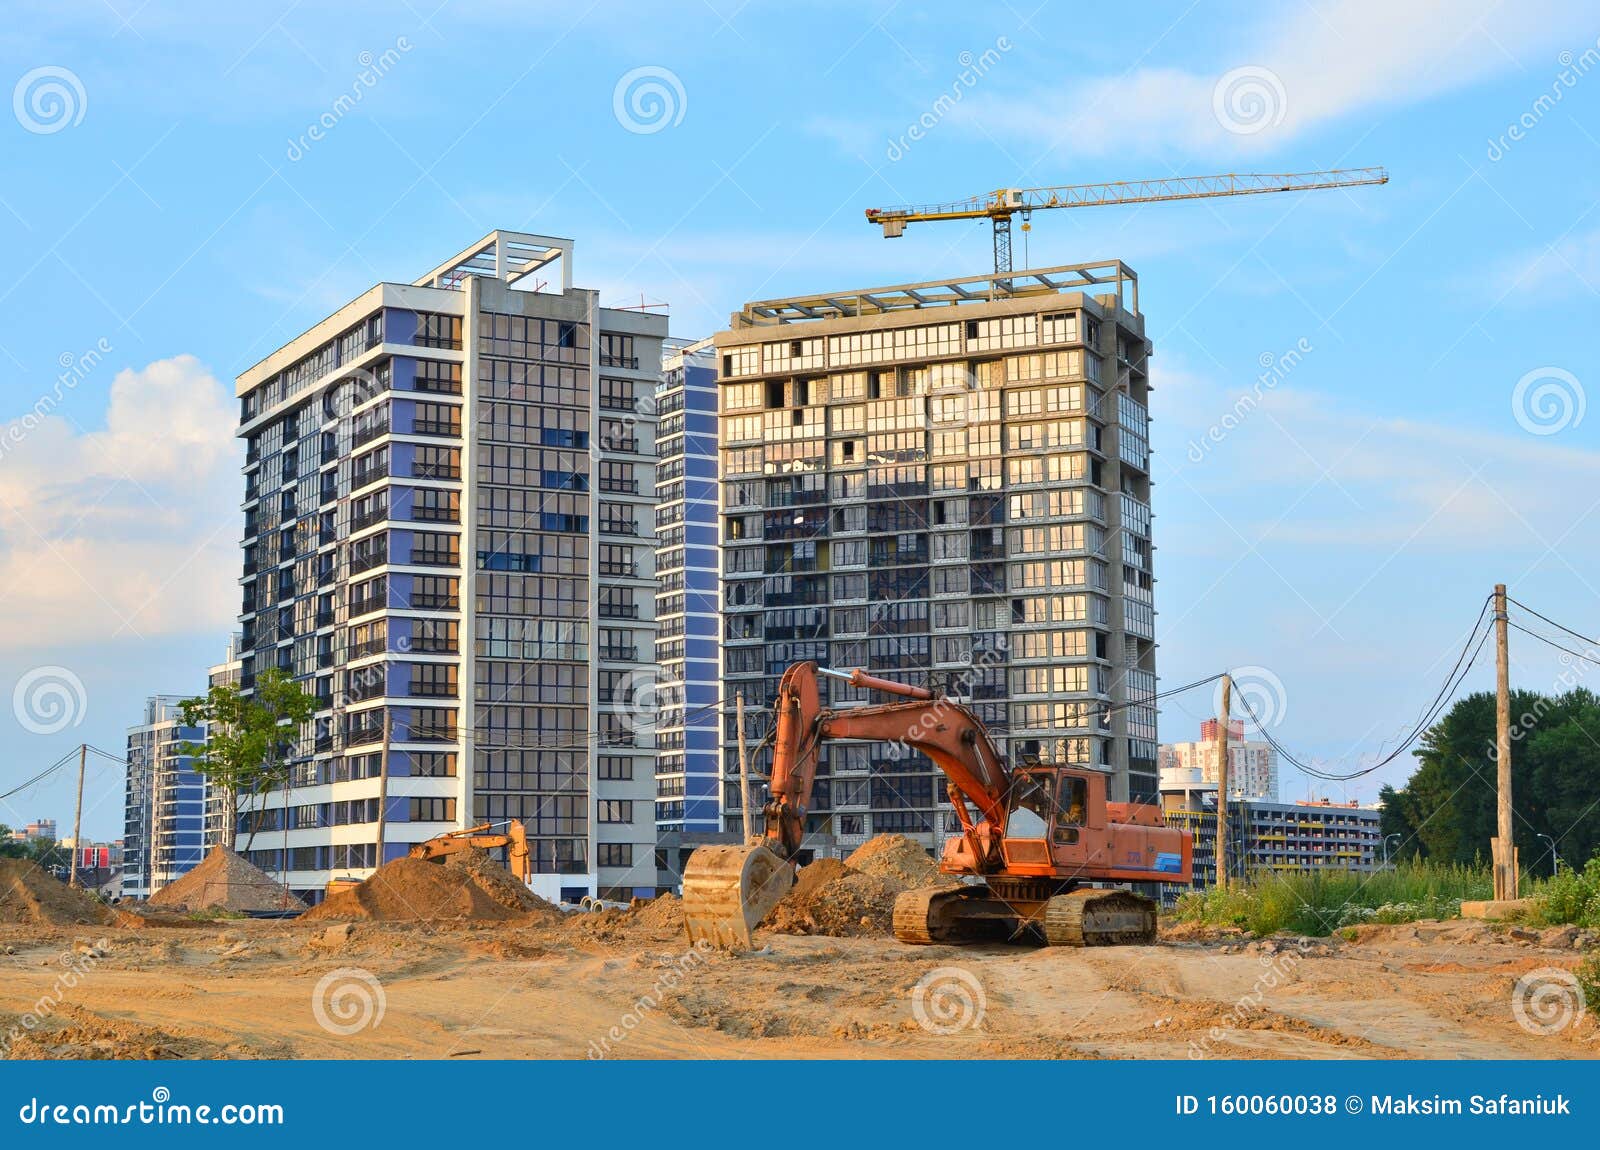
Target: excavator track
<point>1091,917</point>
<point>950,915</point>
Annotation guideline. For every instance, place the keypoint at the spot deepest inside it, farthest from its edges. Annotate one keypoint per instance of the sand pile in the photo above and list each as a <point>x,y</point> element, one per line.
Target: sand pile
<point>897,860</point>
<point>855,897</point>
<point>664,912</point>
<point>29,895</point>
<point>225,880</point>
<point>469,886</point>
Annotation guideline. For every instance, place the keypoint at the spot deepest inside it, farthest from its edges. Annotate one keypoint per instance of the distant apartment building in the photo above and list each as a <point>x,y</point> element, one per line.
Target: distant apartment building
<point>1273,836</point>
<point>688,771</point>
<point>945,482</point>
<point>1252,765</point>
<point>40,830</point>
<point>448,540</point>
<point>164,801</point>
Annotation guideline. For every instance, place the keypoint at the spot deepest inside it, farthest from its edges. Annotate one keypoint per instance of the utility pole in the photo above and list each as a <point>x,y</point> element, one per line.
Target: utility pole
<point>383,788</point>
<point>77,816</point>
<point>744,767</point>
<point>1223,871</point>
<point>1503,849</point>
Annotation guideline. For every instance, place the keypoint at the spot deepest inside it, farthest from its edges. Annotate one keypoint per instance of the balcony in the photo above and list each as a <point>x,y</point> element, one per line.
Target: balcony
<point>619,610</point>
<point>359,479</point>
<point>619,654</point>
<point>430,602</point>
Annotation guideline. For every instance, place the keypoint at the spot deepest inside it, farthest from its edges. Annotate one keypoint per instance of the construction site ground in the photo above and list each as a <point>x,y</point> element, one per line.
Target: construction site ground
<point>563,986</point>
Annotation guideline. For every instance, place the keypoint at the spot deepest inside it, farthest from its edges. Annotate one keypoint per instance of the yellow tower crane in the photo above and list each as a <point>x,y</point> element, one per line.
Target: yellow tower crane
<point>999,206</point>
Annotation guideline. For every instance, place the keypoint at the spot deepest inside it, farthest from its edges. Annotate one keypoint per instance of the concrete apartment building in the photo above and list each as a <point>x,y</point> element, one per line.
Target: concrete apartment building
<point>1252,765</point>
<point>164,801</point>
<point>448,540</point>
<point>944,481</point>
<point>1271,835</point>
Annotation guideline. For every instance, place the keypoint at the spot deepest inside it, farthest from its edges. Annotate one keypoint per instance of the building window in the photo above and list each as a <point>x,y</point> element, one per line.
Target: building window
<point>615,854</point>
<point>433,810</point>
<point>615,811</point>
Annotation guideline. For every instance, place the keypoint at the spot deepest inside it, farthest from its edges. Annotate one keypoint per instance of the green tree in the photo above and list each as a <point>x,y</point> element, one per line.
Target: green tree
<point>1447,809</point>
<point>248,737</point>
<point>9,849</point>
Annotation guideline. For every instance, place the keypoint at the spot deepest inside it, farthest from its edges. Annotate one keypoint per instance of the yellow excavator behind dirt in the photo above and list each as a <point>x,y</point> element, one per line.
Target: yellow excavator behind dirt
<point>1032,837</point>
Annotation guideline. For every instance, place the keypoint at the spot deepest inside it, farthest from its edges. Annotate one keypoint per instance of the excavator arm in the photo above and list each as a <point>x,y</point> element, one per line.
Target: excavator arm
<point>728,889</point>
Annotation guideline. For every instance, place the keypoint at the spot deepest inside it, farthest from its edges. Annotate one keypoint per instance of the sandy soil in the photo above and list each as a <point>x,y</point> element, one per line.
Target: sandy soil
<point>626,984</point>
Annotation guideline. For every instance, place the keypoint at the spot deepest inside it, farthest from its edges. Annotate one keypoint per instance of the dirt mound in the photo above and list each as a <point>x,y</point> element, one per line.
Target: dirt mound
<point>470,886</point>
<point>855,897</point>
<point>225,880</point>
<point>29,895</point>
<point>664,912</point>
<point>75,1033</point>
<point>897,860</point>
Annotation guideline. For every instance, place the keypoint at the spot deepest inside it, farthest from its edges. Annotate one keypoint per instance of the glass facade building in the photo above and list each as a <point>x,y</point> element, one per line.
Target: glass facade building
<point>945,482</point>
<point>688,774</point>
<point>447,540</point>
<point>164,801</point>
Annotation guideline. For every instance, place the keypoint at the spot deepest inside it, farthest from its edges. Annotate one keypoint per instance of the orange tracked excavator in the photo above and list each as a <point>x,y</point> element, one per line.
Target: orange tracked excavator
<point>514,839</point>
<point>1032,837</point>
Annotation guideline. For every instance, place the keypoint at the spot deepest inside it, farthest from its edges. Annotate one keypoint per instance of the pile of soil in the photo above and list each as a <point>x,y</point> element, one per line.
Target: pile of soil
<point>664,912</point>
<point>469,886</point>
<point>29,895</point>
<point>896,859</point>
<point>225,880</point>
<point>854,897</point>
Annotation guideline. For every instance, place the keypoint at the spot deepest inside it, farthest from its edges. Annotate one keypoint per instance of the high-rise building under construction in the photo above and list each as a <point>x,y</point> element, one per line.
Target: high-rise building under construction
<point>945,481</point>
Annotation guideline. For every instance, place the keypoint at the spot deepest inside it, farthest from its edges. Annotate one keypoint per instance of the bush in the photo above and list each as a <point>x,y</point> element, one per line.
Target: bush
<point>1570,897</point>
<point>1588,973</point>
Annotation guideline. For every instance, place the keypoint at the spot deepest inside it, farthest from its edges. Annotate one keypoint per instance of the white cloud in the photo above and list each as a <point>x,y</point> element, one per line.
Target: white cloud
<point>1321,62</point>
<point>125,531</point>
<point>1298,468</point>
<point>1568,267</point>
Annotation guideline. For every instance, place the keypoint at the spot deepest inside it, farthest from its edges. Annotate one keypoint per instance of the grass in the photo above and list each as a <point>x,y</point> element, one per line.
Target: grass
<point>1317,903</point>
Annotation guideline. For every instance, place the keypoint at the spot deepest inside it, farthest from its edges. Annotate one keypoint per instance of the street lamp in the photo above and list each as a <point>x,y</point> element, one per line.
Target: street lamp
<point>1555,859</point>
<point>1386,838</point>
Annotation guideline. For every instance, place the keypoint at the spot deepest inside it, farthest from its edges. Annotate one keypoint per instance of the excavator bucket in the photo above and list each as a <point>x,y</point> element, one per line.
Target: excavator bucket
<point>727,890</point>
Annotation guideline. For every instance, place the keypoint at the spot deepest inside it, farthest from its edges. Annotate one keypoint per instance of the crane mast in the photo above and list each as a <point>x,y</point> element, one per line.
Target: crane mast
<point>1000,205</point>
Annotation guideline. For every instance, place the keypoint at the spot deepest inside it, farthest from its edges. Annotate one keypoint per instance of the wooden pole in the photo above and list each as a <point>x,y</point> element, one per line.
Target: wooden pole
<point>77,816</point>
<point>383,788</point>
<point>1223,869</point>
<point>744,768</point>
<point>1503,849</point>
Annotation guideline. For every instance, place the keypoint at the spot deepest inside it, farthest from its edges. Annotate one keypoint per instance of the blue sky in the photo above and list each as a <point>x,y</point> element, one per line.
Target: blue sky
<point>167,217</point>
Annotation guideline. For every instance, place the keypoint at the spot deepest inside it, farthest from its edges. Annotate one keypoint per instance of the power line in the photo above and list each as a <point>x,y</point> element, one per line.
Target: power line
<point>1553,623</point>
<point>42,775</point>
<point>1591,657</point>
<point>1458,673</point>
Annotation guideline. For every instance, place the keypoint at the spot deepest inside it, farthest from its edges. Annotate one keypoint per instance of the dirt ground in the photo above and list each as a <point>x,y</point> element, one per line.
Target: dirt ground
<point>626,984</point>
